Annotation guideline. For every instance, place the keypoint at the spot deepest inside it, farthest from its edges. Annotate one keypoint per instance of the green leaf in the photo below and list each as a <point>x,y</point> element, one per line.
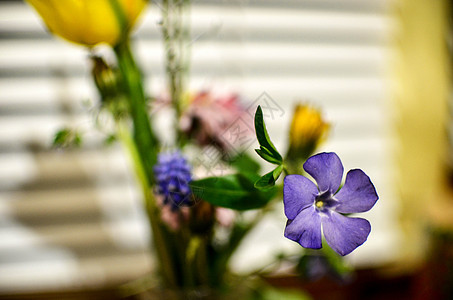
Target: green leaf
<point>110,139</point>
<point>267,181</point>
<point>267,149</point>
<point>67,137</point>
<point>266,155</point>
<point>234,191</point>
<point>61,137</point>
<point>245,163</point>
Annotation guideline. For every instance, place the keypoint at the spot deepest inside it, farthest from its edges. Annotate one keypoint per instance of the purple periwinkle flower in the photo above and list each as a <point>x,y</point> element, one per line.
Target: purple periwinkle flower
<point>309,207</point>
<point>173,176</point>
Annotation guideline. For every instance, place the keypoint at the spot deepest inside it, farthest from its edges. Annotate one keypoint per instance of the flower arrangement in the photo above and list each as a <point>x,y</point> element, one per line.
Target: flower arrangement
<point>186,211</point>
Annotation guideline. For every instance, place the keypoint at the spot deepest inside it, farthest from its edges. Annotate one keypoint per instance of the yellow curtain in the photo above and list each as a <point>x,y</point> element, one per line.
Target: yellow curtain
<point>420,101</point>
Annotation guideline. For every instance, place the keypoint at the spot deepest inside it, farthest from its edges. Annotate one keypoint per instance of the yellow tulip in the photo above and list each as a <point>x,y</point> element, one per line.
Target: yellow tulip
<point>87,22</point>
<point>307,131</point>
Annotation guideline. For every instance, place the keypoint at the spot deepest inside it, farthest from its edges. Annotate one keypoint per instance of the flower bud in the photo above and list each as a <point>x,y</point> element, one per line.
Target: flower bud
<point>87,22</point>
<point>105,77</point>
<point>308,130</point>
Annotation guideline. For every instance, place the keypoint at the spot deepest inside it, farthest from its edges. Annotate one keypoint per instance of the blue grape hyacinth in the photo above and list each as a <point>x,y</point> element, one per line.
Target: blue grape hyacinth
<point>173,175</point>
<point>309,206</point>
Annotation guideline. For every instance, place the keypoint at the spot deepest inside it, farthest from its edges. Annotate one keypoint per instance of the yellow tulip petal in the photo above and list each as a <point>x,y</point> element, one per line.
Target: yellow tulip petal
<point>87,22</point>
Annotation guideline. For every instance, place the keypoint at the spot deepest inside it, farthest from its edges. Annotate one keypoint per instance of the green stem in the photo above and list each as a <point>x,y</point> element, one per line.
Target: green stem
<point>152,209</point>
<point>143,135</point>
<point>237,236</point>
<point>128,142</point>
<point>121,18</point>
<point>143,148</point>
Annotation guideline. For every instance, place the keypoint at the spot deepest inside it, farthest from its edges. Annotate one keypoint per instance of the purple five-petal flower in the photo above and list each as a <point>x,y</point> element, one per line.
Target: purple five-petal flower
<point>309,207</point>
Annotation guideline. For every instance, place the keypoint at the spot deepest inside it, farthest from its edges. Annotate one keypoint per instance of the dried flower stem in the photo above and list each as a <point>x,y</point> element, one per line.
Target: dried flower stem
<point>175,34</point>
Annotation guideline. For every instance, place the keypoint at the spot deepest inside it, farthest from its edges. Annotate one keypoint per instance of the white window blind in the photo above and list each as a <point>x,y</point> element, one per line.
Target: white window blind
<point>72,219</point>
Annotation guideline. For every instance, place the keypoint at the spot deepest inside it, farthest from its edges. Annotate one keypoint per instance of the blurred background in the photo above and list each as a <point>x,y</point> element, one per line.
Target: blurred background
<point>379,70</point>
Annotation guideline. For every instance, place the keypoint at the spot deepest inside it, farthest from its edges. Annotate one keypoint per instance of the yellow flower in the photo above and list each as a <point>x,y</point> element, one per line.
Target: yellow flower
<point>87,22</point>
<point>307,131</point>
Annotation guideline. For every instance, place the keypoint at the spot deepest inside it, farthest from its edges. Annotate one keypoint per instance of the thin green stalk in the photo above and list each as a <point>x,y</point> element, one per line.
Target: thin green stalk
<point>201,264</point>
<point>152,210</point>
<point>185,42</point>
<point>237,236</point>
<point>144,137</point>
<point>129,144</point>
<point>142,146</point>
<point>121,18</point>
<point>191,252</point>
<point>175,41</point>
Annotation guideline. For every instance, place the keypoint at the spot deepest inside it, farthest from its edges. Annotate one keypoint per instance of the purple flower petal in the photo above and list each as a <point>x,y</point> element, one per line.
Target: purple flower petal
<point>299,192</point>
<point>326,169</point>
<point>305,228</point>
<point>358,193</point>
<point>345,234</point>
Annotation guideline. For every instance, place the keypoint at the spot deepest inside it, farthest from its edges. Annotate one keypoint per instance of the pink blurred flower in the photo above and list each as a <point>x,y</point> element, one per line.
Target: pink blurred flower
<point>208,118</point>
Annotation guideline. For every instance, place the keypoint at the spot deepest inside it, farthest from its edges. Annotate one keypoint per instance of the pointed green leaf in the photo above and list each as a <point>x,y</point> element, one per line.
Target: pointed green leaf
<point>265,142</point>
<point>234,191</point>
<point>267,181</point>
<point>265,154</point>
